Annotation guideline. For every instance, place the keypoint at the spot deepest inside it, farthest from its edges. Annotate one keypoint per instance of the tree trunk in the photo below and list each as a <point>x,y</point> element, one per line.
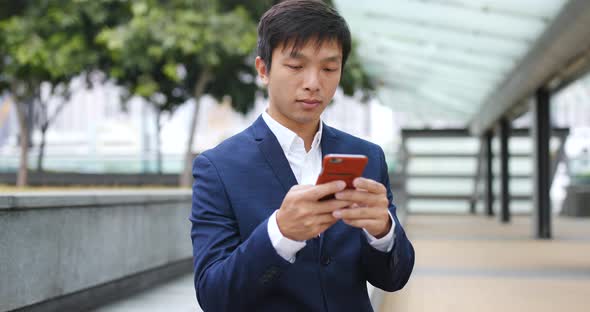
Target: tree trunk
<point>41,155</point>
<point>22,176</point>
<point>158,143</point>
<point>46,122</point>
<point>186,174</point>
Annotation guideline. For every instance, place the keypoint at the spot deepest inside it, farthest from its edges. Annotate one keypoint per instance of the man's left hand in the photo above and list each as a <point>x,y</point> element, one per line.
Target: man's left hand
<point>370,208</point>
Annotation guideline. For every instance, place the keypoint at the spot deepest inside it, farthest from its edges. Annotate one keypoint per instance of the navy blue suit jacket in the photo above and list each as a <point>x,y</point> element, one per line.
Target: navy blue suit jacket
<point>238,185</point>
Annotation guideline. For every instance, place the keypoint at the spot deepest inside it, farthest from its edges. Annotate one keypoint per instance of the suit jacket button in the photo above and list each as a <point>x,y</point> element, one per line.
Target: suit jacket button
<point>326,260</point>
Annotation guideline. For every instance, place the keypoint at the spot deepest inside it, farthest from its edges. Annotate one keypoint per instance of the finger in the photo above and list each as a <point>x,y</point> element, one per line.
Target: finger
<point>328,206</point>
<point>326,218</point>
<point>361,213</point>
<point>363,223</point>
<point>361,197</point>
<point>319,191</point>
<point>299,187</point>
<point>369,185</point>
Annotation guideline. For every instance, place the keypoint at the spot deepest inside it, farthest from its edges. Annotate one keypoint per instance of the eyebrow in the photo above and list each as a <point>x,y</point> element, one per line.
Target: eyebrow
<point>298,55</point>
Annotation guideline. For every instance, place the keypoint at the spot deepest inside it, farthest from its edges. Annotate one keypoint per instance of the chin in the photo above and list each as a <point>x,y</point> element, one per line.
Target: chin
<point>306,118</point>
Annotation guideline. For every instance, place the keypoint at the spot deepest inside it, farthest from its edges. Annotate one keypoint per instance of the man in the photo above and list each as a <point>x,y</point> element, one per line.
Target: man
<point>262,240</point>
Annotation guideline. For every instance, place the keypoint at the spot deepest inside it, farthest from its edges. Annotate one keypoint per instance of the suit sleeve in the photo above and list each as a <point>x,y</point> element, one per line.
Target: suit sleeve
<point>230,274</point>
<point>391,270</point>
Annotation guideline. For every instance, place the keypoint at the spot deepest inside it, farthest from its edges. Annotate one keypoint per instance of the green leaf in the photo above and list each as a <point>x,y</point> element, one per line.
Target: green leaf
<point>171,71</point>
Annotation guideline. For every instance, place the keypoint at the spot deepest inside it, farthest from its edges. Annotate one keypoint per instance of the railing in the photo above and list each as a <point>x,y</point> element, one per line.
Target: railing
<point>443,169</point>
<point>172,164</point>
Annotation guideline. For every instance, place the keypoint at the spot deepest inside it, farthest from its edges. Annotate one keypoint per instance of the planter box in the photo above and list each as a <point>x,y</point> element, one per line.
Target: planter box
<point>577,201</point>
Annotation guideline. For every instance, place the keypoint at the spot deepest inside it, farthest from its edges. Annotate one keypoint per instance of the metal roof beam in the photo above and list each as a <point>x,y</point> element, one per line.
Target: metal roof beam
<point>566,40</point>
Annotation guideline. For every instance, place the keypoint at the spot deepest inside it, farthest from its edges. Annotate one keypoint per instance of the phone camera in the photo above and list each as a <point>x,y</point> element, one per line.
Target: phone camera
<point>336,160</point>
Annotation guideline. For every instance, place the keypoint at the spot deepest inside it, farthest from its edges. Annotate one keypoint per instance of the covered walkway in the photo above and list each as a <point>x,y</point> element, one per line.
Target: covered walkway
<point>475,263</point>
<point>476,66</point>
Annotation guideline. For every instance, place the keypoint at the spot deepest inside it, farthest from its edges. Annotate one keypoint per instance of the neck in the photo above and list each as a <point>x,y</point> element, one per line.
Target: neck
<point>306,131</point>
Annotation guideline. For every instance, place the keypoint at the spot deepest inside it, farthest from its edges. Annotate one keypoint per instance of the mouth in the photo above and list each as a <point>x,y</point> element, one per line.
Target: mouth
<point>310,103</point>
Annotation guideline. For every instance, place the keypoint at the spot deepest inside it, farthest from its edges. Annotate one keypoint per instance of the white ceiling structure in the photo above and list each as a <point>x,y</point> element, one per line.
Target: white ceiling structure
<point>444,59</point>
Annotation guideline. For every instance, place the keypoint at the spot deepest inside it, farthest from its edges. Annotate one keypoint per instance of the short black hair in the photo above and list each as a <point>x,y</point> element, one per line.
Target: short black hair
<point>295,22</point>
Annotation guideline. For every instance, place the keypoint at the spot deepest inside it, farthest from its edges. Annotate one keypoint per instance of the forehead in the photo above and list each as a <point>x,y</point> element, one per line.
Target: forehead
<point>310,49</point>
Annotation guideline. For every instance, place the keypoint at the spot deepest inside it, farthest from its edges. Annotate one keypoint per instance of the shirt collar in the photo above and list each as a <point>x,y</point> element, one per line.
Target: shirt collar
<point>285,136</point>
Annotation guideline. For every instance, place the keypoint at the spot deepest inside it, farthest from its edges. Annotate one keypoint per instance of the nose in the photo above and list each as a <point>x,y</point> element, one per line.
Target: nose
<point>311,81</point>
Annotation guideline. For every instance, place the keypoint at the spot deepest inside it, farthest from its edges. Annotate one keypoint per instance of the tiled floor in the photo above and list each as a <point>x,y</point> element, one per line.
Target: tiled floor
<point>463,263</point>
<point>177,295</point>
<point>467,263</point>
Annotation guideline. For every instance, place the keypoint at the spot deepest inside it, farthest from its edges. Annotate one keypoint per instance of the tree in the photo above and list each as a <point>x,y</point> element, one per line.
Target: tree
<point>208,49</point>
<point>51,42</point>
<point>205,50</point>
<point>355,77</point>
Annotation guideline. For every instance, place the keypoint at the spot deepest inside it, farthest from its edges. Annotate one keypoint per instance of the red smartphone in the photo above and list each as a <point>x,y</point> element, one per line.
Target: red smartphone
<point>345,167</point>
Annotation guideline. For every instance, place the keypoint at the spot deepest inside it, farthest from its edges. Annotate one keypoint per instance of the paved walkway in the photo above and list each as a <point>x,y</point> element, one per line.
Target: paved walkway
<point>473,263</point>
<point>177,295</point>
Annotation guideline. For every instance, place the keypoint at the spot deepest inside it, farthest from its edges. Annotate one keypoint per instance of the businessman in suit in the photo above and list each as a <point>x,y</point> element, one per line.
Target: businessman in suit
<point>262,239</point>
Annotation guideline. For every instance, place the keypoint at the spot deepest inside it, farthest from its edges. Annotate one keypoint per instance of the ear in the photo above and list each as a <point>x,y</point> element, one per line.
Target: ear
<point>262,70</point>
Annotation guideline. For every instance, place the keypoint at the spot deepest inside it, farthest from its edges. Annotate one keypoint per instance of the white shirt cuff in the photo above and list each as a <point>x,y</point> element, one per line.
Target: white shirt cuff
<point>385,243</point>
<point>285,247</point>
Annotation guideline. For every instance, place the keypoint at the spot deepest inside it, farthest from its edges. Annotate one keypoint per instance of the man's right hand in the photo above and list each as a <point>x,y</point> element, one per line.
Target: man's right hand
<point>303,216</point>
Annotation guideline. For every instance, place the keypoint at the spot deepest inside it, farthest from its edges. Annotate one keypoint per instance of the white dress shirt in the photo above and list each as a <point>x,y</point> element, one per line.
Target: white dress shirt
<point>306,167</point>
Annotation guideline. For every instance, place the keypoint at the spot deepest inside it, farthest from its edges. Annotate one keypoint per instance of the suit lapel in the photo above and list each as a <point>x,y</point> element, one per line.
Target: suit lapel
<point>272,151</point>
<point>329,141</point>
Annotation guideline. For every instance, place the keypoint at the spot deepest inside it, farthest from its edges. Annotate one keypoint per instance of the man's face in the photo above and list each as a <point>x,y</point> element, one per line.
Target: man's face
<point>302,83</point>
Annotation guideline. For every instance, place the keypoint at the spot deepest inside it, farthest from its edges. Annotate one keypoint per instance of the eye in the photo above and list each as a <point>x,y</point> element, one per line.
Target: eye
<point>330,69</point>
<point>295,66</point>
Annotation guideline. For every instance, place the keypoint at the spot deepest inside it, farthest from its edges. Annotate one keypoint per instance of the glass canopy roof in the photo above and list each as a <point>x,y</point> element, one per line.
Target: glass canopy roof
<point>441,59</point>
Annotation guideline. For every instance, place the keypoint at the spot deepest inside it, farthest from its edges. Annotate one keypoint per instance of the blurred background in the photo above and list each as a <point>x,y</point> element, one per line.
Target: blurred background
<point>482,108</point>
